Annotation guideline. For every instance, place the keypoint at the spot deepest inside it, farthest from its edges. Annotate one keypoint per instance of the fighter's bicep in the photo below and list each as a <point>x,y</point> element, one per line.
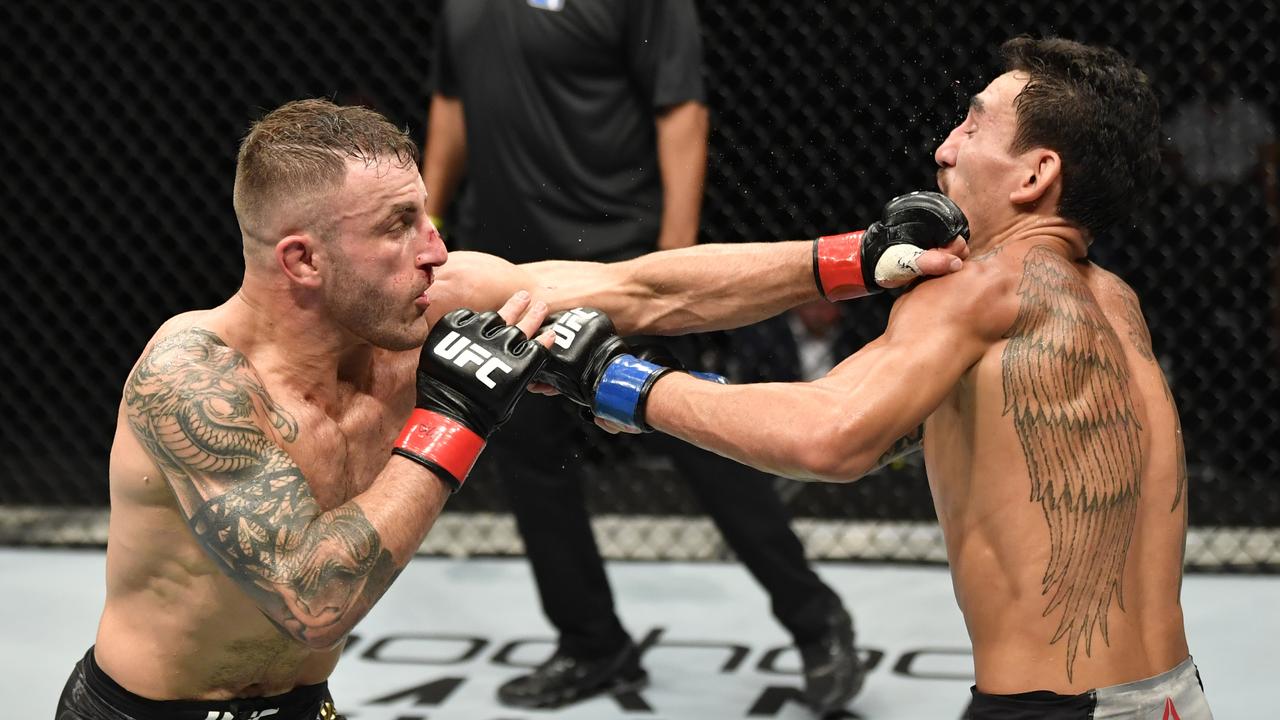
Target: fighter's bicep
<point>476,281</point>
<point>892,387</point>
<point>931,341</point>
<point>479,281</point>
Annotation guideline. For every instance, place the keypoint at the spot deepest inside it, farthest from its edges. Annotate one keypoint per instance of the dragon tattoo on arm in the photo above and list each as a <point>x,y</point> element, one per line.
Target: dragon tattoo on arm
<point>201,412</point>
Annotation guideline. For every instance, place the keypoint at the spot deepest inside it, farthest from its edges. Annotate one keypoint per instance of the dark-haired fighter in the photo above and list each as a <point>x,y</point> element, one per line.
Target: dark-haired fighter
<point>1050,437</point>
<point>279,458</point>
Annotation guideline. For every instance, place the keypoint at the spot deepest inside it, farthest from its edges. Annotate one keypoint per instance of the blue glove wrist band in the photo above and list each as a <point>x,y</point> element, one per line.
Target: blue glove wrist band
<point>621,387</point>
<point>624,385</point>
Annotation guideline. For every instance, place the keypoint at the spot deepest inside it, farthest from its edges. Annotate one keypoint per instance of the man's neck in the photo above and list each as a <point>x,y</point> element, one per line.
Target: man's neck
<point>1051,230</point>
<point>297,346</point>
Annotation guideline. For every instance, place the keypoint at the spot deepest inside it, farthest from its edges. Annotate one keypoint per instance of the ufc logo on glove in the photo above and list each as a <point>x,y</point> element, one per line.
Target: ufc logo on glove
<point>462,351</point>
<point>567,327</point>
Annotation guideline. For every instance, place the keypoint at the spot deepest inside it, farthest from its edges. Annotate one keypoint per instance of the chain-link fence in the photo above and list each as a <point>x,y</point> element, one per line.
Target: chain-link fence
<point>120,122</point>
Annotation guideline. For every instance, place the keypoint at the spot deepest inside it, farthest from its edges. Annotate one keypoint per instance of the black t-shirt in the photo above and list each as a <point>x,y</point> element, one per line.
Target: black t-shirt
<point>559,98</point>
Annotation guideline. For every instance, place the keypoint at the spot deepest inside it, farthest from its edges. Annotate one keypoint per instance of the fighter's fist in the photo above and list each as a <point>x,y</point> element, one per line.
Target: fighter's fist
<point>585,343</point>
<point>592,366</point>
<point>472,370</point>
<point>885,254</point>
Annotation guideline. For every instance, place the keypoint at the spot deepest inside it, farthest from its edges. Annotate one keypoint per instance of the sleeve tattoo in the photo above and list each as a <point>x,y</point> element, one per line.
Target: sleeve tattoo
<point>901,448</point>
<point>203,415</point>
<point>1066,384</point>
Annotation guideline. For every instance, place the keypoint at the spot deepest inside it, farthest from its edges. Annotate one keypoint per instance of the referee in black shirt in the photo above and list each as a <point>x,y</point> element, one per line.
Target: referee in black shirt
<point>581,127</point>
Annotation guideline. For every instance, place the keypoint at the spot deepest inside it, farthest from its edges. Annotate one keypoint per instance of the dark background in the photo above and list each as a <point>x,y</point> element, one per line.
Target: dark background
<point>120,123</point>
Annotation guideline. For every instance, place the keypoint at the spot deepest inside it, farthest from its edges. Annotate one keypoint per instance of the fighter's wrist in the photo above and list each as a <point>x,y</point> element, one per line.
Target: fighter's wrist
<point>622,392</point>
<point>622,388</point>
<point>837,267</point>
<point>441,444</point>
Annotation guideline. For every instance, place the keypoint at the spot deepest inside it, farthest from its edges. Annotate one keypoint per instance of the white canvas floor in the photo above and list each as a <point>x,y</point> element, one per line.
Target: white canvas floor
<point>450,631</point>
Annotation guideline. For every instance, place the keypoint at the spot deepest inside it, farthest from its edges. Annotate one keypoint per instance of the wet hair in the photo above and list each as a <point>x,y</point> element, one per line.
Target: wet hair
<point>1098,112</point>
<point>298,152</point>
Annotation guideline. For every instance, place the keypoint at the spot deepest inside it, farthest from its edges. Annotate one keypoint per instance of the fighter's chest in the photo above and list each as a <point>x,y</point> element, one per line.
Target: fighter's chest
<point>341,451</point>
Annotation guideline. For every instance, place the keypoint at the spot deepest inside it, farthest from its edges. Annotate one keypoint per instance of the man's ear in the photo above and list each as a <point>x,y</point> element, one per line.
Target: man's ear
<point>296,256</point>
<point>1042,170</point>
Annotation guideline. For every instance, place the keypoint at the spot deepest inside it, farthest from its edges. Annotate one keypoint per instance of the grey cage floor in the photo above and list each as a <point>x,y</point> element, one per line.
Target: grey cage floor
<point>450,631</point>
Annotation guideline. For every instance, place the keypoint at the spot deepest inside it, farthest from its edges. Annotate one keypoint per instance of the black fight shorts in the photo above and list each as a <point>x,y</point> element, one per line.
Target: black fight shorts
<point>90,694</point>
<point>1173,694</point>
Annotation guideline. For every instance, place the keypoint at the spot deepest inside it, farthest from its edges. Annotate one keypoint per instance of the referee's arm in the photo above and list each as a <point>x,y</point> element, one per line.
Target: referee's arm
<point>445,156</point>
<point>682,161</point>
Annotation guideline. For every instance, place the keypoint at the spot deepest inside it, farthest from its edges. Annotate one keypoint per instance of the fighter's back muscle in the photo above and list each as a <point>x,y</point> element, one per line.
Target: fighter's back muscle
<point>1039,460</point>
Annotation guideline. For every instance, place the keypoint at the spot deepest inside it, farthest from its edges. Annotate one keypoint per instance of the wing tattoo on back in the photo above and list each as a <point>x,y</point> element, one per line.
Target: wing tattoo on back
<point>1066,385</point>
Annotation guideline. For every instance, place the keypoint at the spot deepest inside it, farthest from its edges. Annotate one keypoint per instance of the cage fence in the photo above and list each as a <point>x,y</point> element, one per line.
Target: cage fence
<point>120,126</point>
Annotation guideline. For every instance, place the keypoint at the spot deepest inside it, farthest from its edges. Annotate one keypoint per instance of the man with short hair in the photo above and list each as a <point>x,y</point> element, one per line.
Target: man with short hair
<point>1050,436</point>
<point>279,458</point>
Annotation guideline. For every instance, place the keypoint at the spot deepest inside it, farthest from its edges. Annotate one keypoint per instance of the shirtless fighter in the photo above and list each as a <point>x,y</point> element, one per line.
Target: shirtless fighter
<point>1050,437</point>
<point>279,458</point>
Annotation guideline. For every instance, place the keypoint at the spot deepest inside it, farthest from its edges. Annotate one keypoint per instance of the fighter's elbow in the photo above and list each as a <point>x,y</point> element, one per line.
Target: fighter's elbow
<point>326,640</point>
<point>322,639</point>
<point>317,638</point>
<point>839,470</point>
<point>835,454</point>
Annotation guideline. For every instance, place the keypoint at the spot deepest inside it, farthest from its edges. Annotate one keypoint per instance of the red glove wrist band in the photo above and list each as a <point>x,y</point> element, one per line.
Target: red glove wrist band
<point>441,443</point>
<point>837,266</point>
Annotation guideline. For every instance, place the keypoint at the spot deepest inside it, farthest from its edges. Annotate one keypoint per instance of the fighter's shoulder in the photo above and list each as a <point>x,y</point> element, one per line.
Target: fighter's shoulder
<point>185,342</point>
<point>183,328</point>
<point>981,295</point>
<point>1110,288</point>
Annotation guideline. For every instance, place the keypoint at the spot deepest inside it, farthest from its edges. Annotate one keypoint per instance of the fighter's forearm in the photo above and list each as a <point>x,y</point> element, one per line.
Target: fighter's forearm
<point>794,430</point>
<point>350,555</point>
<point>695,289</point>
<point>316,573</point>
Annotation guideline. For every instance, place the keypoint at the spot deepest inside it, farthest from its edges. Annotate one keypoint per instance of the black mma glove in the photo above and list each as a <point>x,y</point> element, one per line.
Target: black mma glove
<point>592,366</point>
<point>868,261</point>
<point>472,370</point>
